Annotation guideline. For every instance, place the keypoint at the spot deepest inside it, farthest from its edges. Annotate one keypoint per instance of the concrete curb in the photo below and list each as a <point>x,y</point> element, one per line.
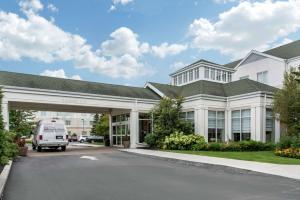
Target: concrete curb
<point>4,176</point>
<point>200,164</point>
<point>220,167</point>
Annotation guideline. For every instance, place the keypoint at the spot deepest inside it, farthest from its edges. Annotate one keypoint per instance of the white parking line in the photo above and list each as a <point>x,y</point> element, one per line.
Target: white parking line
<point>89,157</point>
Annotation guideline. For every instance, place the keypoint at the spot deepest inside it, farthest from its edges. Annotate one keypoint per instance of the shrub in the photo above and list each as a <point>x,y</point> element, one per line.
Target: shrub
<point>8,149</point>
<point>240,146</point>
<point>289,152</point>
<point>285,142</point>
<point>152,140</point>
<point>215,146</point>
<point>179,141</point>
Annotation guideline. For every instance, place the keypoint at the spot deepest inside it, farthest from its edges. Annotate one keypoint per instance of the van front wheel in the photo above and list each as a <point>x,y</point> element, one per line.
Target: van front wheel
<point>39,148</point>
<point>63,148</point>
<point>33,147</point>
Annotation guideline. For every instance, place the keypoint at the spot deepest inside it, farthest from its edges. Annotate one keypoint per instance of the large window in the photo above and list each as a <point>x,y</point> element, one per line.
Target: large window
<point>145,126</point>
<point>188,116</point>
<point>262,77</point>
<point>179,79</point>
<point>269,125</point>
<point>229,76</point>
<point>216,126</point>
<point>120,127</point>
<point>212,74</point>
<point>224,76</point>
<point>218,75</point>
<point>175,80</point>
<point>241,124</point>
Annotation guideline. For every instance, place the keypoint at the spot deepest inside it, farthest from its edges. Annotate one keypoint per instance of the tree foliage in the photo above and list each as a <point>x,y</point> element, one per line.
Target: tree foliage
<point>21,121</point>
<point>95,122</point>
<point>1,117</point>
<point>287,102</point>
<point>102,127</point>
<point>166,119</point>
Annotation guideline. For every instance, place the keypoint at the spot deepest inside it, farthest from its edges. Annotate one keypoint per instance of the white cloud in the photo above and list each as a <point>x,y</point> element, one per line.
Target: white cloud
<point>225,1</point>
<point>124,41</point>
<point>168,49</point>
<point>60,73</point>
<point>117,2</point>
<point>30,6</point>
<point>52,7</point>
<point>177,65</point>
<point>247,26</point>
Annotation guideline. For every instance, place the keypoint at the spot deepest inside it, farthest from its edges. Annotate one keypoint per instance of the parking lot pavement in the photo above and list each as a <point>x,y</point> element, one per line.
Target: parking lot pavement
<point>116,175</point>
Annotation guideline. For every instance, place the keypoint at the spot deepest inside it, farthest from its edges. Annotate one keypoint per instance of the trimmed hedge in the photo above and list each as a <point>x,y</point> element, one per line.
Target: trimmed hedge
<point>179,141</point>
<point>8,149</point>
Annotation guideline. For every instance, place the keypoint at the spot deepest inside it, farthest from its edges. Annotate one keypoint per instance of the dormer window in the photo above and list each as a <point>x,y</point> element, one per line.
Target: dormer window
<point>197,73</point>
<point>191,77</point>
<point>212,74</point>
<point>262,77</point>
<point>185,77</point>
<point>206,73</point>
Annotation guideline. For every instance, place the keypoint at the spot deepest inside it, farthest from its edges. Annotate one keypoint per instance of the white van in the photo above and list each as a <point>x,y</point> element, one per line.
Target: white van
<point>50,133</point>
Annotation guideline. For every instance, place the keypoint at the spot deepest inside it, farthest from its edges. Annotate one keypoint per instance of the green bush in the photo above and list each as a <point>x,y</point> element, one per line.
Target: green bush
<point>179,141</point>
<point>288,142</point>
<point>8,149</point>
<point>240,146</point>
<point>215,146</point>
<point>152,140</point>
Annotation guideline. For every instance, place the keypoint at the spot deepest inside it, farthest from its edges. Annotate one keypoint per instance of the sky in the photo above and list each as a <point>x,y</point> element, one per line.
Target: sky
<point>130,42</point>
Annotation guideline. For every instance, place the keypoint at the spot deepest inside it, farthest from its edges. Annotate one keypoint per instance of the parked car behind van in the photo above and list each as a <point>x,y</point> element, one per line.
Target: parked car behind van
<point>51,134</point>
<point>82,138</point>
<point>94,138</point>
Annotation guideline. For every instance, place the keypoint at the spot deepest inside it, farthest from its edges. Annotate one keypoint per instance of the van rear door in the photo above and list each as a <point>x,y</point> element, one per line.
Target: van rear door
<point>49,132</point>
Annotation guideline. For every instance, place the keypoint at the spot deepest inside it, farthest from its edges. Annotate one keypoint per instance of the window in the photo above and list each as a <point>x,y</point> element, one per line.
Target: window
<point>68,122</point>
<point>206,72</point>
<point>197,73</point>
<point>218,75</point>
<point>185,77</point>
<point>145,125</point>
<point>216,126</point>
<point>43,113</point>
<point>120,127</point>
<point>175,80</point>
<point>241,124</point>
<point>188,116</point>
<point>262,77</point>
<point>179,79</point>
<point>224,76</point>
<point>229,76</point>
<point>244,77</point>
<point>269,125</point>
<point>212,74</point>
<point>191,77</point>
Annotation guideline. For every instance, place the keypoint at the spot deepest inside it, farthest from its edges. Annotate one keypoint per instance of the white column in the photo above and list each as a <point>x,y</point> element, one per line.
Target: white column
<point>205,126</point>
<point>110,129</point>
<point>253,123</point>
<point>277,128</point>
<point>200,122</point>
<point>5,114</point>
<point>197,119</point>
<point>259,123</point>
<point>227,125</point>
<point>134,127</point>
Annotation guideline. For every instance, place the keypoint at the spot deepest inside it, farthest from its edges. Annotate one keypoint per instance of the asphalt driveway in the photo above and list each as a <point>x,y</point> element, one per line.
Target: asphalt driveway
<point>114,175</point>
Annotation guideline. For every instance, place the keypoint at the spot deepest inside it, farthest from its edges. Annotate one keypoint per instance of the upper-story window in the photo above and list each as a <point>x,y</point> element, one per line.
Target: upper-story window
<point>244,77</point>
<point>175,80</point>
<point>206,73</point>
<point>218,75</point>
<point>224,76</point>
<point>179,79</point>
<point>212,74</point>
<point>68,122</point>
<point>185,75</point>
<point>197,73</point>
<point>262,77</point>
<point>191,77</point>
<point>229,76</point>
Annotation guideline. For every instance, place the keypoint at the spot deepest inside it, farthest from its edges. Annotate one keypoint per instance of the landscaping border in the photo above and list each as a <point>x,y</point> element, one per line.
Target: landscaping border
<point>4,176</point>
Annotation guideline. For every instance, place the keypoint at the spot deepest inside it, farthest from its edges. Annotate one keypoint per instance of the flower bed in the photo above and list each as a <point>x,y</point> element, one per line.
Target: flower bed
<point>289,152</point>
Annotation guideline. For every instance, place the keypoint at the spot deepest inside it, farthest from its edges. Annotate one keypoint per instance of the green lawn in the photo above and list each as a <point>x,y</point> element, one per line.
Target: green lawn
<point>259,156</point>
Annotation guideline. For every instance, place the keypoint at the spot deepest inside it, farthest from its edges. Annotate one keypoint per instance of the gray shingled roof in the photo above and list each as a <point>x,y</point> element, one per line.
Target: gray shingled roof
<point>239,87</point>
<point>286,51</point>
<point>50,83</point>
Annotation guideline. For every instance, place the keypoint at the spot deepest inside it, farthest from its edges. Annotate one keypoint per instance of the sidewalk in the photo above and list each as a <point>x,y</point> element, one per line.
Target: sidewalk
<point>289,171</point>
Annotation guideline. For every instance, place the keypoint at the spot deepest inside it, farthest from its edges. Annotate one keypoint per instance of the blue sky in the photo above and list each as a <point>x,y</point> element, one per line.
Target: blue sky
<point>133,41</point>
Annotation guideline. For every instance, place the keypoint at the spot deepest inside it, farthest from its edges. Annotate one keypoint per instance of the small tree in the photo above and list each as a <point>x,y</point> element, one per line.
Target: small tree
<point>1,117</point>
<point>102,127</point>
<point>287,103</point>
<point>166,119</point>
<point>95,122</point>
<point>21,121</point>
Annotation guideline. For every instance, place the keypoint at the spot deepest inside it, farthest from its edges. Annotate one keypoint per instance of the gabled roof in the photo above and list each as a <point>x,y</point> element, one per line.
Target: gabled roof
<point>239,87</point>
<point>68,85</point>
<point>201,61</point>
<point>286,51</point>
